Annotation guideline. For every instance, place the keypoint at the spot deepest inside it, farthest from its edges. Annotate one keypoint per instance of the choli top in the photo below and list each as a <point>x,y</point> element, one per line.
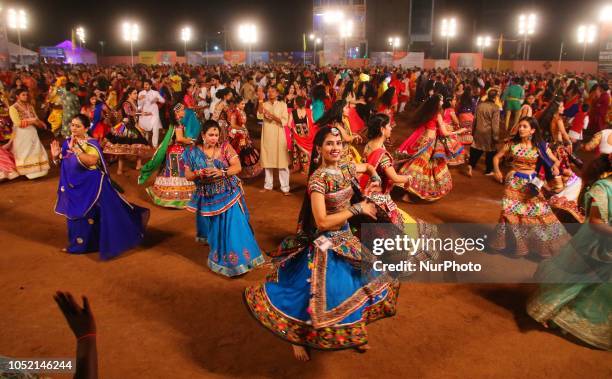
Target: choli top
<point>335,185</point>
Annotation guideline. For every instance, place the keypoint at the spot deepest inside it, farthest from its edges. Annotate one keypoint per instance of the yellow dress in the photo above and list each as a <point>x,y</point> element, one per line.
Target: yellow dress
<point>55,117</point>
<point>350,153</point>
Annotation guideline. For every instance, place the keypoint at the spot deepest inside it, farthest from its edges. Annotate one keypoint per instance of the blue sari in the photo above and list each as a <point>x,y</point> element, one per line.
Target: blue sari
<point>222,217</point>
<point>98,218</point>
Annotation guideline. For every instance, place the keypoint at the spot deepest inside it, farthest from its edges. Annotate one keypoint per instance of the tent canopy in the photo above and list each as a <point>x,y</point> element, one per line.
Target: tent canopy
<point>14,50</point>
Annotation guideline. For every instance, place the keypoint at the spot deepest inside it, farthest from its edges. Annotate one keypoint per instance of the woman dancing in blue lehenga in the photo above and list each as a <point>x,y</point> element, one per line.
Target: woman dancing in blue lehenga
<point>222,216</point>
<point>324,290</point>
<point>99,219</point>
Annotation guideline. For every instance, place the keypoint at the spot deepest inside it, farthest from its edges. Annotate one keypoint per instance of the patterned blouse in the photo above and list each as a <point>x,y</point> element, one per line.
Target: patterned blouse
<point>335,185</point>
<point>523,158</point>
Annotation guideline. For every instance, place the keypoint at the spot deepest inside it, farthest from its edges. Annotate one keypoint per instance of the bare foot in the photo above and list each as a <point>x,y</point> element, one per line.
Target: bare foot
<point>287,193</point>
<point>468,171</point>
<point>119,173</point>
<point>363,348</point>
<point>300,353</point>
<point>264,190</point>
<point>406,198</point>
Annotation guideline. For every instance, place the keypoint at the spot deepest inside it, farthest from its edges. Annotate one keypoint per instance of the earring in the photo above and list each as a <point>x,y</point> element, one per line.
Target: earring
<point>316,160</point>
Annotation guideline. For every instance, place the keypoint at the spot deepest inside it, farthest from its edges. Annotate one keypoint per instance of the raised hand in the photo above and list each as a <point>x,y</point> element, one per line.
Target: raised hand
<point>80,319</point>
<point>55,149</point>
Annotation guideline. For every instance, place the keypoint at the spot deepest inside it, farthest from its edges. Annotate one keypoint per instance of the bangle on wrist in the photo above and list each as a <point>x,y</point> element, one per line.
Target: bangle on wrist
<point>86,336</point>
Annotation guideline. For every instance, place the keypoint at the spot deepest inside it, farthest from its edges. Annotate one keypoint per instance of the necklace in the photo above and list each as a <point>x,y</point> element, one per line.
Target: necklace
<point>210,159</point>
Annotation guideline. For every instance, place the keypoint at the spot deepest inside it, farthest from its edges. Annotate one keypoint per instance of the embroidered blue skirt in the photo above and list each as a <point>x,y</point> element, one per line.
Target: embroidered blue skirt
<point>323,299</point>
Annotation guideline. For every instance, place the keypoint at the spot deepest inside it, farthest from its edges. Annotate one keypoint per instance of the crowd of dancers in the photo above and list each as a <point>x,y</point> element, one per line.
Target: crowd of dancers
<point>186,126</point>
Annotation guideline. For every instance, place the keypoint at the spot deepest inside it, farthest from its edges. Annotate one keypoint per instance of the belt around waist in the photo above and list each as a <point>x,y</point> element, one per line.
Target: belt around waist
<point>525,176</point>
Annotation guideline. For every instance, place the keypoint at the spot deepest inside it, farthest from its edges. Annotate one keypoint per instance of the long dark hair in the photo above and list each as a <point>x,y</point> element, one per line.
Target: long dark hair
<point>348,89</point>
<point>318,92</point>
<point>387,96</point>
<point>334,114</point>
<point>466,100</point>
<point>592,173</point>
<point>306,220</point>
<point>126,94</point>
<point>376,123</point>
<point>548,115</point>
<point>536,139</point>
<point>427,110</point>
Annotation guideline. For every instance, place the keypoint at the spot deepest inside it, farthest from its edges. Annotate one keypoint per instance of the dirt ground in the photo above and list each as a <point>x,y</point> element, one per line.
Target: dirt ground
<point>161,313</point>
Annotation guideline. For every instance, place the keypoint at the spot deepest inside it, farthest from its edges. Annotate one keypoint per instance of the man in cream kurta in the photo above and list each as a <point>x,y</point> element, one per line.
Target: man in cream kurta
<point>274,152</point>
<point>147,103</point>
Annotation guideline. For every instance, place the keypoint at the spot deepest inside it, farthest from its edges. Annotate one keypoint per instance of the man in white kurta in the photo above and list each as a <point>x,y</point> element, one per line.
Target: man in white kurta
<point>148,99</point>
<point>274,152</point>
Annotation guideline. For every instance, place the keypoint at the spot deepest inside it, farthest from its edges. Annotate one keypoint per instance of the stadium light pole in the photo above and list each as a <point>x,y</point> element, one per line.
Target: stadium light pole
<point>131,33</point>
<point>605,14</point>
<point>80,33</point>
<point>248,35</point>
<point>186,37</point>
<point>315,41</point>
<point>394,42</point>
<point>346,32</point>
<point>526,28</point>
<point>17,19</point>
<point>449,30</point>
<point>483,42</point>
<point>586,35</point>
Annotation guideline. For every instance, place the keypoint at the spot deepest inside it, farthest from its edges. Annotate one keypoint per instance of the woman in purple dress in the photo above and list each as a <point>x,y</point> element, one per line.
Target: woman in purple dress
<point>99,219</point>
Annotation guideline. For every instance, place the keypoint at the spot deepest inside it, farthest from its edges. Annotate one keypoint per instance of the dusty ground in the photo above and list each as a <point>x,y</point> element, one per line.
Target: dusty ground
<point>162,314</point>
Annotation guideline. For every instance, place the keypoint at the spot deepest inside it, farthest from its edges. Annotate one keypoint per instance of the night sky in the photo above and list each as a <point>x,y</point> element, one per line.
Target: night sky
<point>281,23</point>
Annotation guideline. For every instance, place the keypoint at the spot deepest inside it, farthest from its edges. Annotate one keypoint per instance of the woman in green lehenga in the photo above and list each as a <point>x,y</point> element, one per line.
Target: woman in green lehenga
<point>576,289</point>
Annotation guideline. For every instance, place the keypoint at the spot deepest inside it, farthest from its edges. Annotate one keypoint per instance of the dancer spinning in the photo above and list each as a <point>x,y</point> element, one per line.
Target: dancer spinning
<point>171,189</point>
<point>126,139</point>
<point>379,131</point>
<point>320,296</point>
<point>579,300</point>
<point>98,218</point>
<point>426,153</point>
<point>222,216</point>
<point>526,220</point>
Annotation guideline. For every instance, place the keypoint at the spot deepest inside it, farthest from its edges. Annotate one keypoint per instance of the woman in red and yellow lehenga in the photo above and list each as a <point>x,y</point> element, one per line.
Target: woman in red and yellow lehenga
<point>302,130</point>
<point>379,131</point>
<point>426,152</point>
<point>240,140</point>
